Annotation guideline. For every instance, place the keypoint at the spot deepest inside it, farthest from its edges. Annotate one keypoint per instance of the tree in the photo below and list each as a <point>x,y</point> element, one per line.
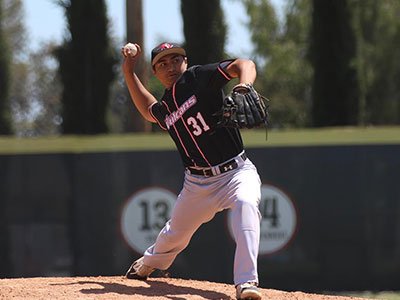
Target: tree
<point>14,27</point>
<point>264,27</point>
<point>204,30</point>
<point>34,88</point>
<point>45,91</point>
<point>86,67</point>
<point>333,53</point>
<point>370,33</point>
<point>5,114</point>
<point>378,34</point>
<point>284,74</point>
<point>15,32</point>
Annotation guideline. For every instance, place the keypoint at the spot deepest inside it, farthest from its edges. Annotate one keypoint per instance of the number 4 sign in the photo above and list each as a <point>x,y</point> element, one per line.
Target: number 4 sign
<point>279,220</point>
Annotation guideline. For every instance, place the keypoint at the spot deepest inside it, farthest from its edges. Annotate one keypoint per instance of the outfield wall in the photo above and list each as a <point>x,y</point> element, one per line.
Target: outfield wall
<point>332,214</point>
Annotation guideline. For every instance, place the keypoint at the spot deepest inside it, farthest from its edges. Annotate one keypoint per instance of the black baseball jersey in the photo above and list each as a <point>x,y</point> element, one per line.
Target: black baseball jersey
<point>187,111</point>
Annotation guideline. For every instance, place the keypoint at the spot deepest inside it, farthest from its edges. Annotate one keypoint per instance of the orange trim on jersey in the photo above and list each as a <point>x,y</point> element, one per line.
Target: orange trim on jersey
<point>222,66</point>
<point>223,73</point>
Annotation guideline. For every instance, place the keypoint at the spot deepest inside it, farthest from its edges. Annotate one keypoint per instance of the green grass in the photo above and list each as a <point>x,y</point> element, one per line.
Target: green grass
<point>78,144</point>
<point>162,141</point>
<point>324,136</point>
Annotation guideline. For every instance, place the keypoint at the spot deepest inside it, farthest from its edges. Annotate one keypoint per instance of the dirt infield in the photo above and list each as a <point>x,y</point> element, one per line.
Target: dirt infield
<point>110,288</point>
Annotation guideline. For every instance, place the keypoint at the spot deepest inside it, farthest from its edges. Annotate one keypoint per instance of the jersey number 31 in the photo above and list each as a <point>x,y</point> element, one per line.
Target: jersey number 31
<point>192,121</point>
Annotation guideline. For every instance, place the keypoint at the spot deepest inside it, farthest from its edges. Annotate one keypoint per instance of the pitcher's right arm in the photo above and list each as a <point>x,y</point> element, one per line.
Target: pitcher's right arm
<point>141,97</point>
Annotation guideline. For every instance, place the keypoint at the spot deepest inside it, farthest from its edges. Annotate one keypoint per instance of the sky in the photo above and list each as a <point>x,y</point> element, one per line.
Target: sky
<point>45,21</point>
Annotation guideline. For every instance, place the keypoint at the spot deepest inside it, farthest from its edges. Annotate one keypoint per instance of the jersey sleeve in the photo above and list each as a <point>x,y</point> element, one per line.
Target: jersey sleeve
<point>222,68</point>
<point>214,76</point>
<point>157,114</point>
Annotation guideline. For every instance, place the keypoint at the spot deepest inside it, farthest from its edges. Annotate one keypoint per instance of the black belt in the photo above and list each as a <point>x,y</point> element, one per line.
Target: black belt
<point>208,172</point>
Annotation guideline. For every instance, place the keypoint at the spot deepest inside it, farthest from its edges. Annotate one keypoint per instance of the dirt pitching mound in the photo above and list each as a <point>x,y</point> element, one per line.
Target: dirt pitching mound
<point>99,288</point>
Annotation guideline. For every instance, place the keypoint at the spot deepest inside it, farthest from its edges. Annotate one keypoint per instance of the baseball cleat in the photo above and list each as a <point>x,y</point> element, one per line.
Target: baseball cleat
<point>248,291</point>
<point>138,270</point>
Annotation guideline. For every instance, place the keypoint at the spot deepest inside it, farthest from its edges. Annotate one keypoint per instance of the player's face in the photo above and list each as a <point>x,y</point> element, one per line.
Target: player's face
<point>169,68</point>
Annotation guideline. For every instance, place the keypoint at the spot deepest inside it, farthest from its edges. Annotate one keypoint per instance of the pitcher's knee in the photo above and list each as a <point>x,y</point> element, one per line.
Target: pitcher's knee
<point>246,215</point>
<point>170,241</point>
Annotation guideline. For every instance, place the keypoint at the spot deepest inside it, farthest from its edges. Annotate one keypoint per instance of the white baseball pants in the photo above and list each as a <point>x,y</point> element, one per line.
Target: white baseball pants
<point>200,199</point>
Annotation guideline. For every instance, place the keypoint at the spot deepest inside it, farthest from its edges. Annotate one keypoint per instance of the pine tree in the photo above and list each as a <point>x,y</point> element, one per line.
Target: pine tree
<point>333,55</point>
<point>5,115</point>
<point>86,67</point>
<point>204,30</point>
<point>378,32</point>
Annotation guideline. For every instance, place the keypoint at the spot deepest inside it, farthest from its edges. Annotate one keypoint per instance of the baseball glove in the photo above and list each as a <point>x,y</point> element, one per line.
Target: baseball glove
<point>243,108</point>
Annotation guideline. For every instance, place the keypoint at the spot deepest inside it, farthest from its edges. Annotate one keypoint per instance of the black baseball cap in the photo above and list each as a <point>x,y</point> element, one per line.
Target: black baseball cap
<point>164,49</point>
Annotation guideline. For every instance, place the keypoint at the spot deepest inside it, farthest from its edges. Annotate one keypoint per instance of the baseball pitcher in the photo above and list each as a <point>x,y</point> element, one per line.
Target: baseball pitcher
<point>204,124</point>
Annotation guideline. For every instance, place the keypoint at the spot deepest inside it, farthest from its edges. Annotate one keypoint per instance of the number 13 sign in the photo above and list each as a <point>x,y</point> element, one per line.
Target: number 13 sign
<point>144,215</point>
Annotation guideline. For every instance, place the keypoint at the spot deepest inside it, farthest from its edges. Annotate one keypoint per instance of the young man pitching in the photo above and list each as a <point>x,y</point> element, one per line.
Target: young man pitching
<point>218,173</point>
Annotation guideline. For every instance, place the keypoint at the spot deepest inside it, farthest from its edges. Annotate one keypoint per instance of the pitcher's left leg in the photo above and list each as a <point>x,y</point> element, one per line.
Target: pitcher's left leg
<point>246,226</point>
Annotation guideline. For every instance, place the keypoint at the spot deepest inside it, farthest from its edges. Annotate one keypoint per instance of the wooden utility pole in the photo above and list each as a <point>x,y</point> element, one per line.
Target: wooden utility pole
<point>135,34</point>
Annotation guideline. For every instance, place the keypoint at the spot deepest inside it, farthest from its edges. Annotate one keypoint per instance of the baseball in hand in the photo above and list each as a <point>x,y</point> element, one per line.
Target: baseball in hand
<point>130,49</point>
